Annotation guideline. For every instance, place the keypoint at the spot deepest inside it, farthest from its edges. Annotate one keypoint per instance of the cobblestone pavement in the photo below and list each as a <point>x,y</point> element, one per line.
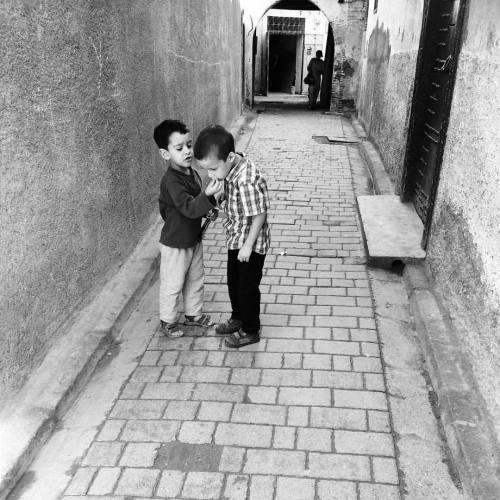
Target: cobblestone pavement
<point>301,415</point>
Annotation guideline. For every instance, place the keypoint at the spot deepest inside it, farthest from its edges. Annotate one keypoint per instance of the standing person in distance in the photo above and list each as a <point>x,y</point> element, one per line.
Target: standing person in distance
<point>316,67</point>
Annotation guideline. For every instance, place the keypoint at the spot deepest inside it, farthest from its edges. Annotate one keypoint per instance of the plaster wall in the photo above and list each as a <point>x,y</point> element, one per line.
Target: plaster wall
<point>464,245</point>
<point>82,86</point>
<point>388,66</point>
<point>353,45</point>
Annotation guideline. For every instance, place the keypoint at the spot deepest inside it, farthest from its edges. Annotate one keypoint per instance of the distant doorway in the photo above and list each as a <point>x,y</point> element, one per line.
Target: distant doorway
<point>282,62</point>
<point>285,41</point>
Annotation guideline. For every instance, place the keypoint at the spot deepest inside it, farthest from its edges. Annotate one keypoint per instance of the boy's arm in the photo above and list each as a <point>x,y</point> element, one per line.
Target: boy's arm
<point>255,227</point>
<point>190,206</point>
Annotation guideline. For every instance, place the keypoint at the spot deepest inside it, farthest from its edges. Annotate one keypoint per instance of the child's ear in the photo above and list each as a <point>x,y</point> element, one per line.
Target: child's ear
<point>230,157</point>
<point>164,154</point>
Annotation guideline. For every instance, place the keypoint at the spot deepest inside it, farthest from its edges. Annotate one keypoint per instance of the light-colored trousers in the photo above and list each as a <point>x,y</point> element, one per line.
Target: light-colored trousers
<point>181,271</point>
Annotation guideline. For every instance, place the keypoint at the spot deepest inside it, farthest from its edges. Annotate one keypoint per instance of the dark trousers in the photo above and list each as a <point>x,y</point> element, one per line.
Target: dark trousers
<point>313,93</point>
<point>243,280</point>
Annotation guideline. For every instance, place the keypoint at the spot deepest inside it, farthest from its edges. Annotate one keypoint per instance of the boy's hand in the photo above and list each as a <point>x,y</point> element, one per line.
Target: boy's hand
<point>219,194</point>
<point>213,187</point>
<point>244,253</point>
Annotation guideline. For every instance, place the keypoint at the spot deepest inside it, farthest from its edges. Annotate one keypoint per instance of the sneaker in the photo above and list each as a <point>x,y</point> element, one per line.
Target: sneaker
<point>201,320</point>
<point>171,330</point>
<point>241,339</point>
<point>228,327</point>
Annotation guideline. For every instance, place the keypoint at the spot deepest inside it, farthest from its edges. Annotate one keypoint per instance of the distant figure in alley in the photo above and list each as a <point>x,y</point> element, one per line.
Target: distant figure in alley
<point>316,67</point>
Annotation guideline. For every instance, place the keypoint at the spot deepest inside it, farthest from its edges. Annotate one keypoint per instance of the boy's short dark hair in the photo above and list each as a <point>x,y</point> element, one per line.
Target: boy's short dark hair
<point>319,53</point>
<point>165,129</point>
<point>216,140</point>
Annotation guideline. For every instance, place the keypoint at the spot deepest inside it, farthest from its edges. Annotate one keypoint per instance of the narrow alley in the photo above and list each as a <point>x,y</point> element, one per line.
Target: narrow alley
<point>377,373</point>
<point>305,414</point>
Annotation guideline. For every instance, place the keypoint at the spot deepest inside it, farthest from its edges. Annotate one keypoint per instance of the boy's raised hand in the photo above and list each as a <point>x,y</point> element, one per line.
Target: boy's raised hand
<point>213,187</point>
<point>219,195</point>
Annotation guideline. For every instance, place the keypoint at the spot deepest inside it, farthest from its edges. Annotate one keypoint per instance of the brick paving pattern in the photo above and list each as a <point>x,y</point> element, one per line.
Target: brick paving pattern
<point>301,415</point>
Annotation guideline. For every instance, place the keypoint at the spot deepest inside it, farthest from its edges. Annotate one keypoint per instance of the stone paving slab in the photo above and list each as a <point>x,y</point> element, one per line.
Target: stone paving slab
<point>303,414</point>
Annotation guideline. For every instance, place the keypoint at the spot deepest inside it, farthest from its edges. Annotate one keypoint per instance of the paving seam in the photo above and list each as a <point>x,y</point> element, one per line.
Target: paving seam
<point>374,307</point>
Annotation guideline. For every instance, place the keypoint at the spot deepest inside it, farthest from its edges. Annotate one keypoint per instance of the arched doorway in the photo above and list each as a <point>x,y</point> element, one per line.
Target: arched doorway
<point>344,39</point>
<point>287,37</point>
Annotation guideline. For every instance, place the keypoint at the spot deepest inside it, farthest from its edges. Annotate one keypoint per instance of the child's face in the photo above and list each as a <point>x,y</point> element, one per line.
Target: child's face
<point>179,150</point>
<point>216,168</point>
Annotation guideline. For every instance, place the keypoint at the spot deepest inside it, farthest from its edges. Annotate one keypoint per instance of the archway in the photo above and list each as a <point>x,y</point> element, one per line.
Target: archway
<point>347,24</point>
<point>287,39</point>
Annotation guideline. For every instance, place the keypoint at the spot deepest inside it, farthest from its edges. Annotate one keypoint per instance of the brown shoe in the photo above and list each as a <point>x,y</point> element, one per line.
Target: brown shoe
<point>241,339</point>
<point>228,327</point>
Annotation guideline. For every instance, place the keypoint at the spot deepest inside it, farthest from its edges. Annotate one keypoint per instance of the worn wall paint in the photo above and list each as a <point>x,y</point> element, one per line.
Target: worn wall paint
<point>464,246</point>
<point>82,86</point>
<point>354,37</point>
<point>387,77</point>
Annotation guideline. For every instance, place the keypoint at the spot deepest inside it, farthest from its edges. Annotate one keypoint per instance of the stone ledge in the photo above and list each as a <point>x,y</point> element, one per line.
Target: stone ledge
<point>392,230</point>
<point>381,181</point>
<point>465,421</point>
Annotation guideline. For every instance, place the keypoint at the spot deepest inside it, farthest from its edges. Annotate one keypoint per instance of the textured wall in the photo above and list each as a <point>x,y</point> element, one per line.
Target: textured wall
<point>464,248</point>
<point>387,77</point>
<point>82,85</point>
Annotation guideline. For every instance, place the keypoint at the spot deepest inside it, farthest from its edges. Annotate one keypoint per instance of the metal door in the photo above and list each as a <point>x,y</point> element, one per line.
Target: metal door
<point>436,68</point>
<point>265,66</point>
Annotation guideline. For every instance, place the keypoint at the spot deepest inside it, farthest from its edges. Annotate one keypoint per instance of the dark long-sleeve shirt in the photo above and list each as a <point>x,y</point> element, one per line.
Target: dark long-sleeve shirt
<point>316,67</point>
<point>182,205</point>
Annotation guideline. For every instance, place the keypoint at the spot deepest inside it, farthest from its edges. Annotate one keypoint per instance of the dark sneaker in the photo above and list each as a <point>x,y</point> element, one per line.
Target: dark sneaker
<point>228,327</point>
<point>241,339</point>
<point>202,320</point>
<point>171,330</point>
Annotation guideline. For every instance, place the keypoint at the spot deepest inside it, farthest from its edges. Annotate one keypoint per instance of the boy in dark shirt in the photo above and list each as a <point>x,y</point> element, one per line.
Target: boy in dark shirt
<point>182,205</point>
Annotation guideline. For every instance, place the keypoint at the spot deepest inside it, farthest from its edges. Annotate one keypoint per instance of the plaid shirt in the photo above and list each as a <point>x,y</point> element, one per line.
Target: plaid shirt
<point>246,195</point>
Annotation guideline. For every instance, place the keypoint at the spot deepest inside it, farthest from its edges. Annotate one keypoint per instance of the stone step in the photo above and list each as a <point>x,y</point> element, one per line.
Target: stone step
<point>392,230</point>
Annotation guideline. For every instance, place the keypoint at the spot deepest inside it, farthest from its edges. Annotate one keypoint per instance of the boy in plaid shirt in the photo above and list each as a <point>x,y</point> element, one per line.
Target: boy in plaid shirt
<point>246,204</point>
